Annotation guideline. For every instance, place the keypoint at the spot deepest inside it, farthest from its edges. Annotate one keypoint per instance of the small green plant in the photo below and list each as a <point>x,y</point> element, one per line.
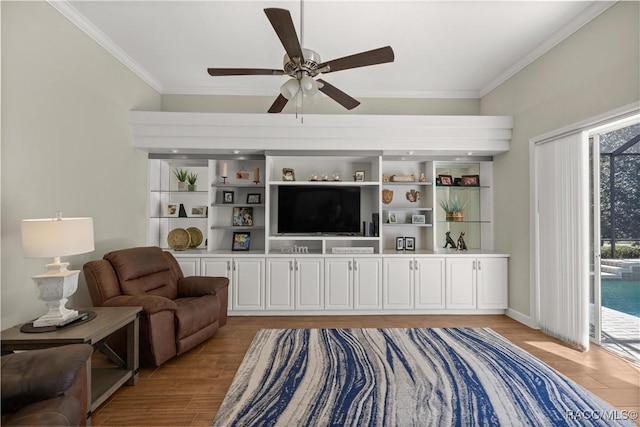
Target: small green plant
<point>181,174</point>
<point>453,204</point>
<point>192,178</point>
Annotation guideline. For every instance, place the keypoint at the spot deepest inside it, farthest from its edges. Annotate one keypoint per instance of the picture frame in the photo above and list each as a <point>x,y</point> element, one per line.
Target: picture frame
<point>418,219</point>
<point>199,211</point>
<point>228,197</point>
<point>359,176</point>
<point>254,198</point>
<point>470,180</point>
<point>242,216</point>
<point>399,243</point>
<point>446,179</point>
<point>393,219</point>
<point>288,174</point>
<point>241,241</point>
<point>171,210</point>
<point>409,243</point>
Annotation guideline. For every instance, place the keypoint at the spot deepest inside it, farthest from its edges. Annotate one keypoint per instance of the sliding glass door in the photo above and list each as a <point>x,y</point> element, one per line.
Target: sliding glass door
<point>595,301</point>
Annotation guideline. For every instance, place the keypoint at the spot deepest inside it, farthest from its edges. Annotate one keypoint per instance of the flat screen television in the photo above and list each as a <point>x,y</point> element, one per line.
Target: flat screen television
<point>318,209</point>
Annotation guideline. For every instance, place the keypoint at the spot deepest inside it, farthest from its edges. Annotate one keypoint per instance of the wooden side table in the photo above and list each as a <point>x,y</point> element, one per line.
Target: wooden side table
<point>104,381</point>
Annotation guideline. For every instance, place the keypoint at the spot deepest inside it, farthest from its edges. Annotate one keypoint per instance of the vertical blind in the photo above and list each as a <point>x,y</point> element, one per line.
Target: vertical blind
<point>562,237</point>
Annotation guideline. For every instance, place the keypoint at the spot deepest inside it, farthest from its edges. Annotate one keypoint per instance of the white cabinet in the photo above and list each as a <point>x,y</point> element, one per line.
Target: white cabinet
<point>294,283</point>
<point>429,280</point>
<point>492,281</point>
<point>189,266</point>
<point>476,283</point>
<point>246,280</point>
<point>397,283</point>
<point>414,283</point>
<point>353,283</point>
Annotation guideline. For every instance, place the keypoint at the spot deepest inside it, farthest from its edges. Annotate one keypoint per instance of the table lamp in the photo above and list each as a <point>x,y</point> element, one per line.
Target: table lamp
<point>56,237</point>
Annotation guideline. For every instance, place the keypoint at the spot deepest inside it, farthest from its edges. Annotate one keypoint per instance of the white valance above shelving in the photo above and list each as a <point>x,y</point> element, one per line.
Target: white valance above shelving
<point>215,133</point>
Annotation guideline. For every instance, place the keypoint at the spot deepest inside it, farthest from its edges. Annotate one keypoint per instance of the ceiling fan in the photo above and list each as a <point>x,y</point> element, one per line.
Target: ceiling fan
<point>302,65</point>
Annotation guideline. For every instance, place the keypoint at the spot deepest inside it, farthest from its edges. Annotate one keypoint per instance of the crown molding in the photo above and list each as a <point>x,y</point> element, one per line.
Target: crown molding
<point>593,11</point>
<point>72,14</point>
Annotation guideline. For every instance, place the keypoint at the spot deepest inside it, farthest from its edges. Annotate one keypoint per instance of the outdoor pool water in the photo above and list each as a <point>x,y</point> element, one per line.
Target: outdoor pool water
<point>622,296</point>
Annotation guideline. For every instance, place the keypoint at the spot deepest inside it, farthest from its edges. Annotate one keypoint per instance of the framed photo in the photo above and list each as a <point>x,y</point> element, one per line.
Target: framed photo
<point>393,219</point>
<point>242,217</point>
<point>254,198</point>
<point>446,179</point>
<point>470,180</point>
<point>227,197</point>
<point>399,243</point>
<point>417,219</point>
<point>410,243</point>
<point>359,176</point>
<point>288,174</point>
<point>171,210</point>
<point>241,241</point>
<point>199,211</point>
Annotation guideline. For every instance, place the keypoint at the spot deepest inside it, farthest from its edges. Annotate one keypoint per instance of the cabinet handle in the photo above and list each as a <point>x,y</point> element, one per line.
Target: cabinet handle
<point>234,265</point>
<point>296,264</point>
<point>350,268</point>
<point>355,265</point>
<point>290,265</point>
<point>474,265</point>
<point>479,265</point>
<point>415,265</point>
<point>228,265</point>
<point>410,265</point>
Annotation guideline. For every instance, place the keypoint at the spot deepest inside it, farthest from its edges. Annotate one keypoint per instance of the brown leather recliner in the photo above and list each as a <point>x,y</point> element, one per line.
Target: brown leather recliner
<point>46,387</point>
<point>178,312</point>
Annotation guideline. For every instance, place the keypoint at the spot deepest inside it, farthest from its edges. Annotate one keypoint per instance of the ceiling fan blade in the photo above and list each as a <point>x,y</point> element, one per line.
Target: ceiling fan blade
<point>244,72</point>
<point>278,104</point>
<point>283,25</point>
<point>362,59</point>
<point>337,95</point>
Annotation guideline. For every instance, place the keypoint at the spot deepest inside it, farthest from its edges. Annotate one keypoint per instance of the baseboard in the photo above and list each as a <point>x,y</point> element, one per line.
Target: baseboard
<point>522,318</point>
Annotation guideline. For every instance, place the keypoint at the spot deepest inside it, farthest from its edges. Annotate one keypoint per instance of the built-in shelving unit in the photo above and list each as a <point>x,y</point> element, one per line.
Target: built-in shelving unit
<point>360,272</point>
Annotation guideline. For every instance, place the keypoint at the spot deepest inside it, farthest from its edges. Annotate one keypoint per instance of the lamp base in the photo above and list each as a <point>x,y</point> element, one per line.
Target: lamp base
<point>55,286</point>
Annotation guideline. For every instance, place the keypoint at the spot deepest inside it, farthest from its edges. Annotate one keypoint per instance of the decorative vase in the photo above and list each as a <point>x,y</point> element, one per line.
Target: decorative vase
<point>449,216</point>
<point>191,187</point>
<point>182,186</point>
<point>457,216</point>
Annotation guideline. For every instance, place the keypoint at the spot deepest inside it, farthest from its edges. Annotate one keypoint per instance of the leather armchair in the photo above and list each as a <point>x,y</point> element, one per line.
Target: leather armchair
<point>46,387</point>
<point>178,312</point>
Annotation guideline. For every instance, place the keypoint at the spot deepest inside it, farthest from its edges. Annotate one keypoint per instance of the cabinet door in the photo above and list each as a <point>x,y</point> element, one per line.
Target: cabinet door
<point>309,274</point>
<point>248,283</point>
<point>189,266</point>
<point>492,279</point>
<point>429,282</point>
<point>461,283</point>
<point>219,267</point>
<point>397,284</point>
<point>367,283</point>
<point>279,284</point>
<point>339,283</point>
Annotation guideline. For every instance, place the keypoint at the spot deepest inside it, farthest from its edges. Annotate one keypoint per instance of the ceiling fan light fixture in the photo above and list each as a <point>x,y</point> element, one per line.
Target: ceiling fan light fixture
<point>309,86</point>
<point>290,88</point>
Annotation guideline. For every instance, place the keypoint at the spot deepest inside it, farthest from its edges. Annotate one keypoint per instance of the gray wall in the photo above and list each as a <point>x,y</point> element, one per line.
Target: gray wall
<point>66,145</point>
<point>594,71</point>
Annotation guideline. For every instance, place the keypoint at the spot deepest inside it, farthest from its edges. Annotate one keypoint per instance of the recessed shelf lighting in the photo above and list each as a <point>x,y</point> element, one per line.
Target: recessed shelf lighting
<point>236,151</point>
<point>174,151</point>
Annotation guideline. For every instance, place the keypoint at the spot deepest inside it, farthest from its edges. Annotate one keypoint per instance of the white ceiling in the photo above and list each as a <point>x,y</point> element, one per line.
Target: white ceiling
<point>443,49</point>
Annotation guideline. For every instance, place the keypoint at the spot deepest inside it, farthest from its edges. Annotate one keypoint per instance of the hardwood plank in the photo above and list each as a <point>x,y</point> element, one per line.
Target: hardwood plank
<point>188,390</point>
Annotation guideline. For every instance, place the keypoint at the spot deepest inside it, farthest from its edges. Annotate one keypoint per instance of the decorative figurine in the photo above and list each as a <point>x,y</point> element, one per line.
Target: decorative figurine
<point>462,246</point>
<point>385,177</point>
<point>387,196</point>
<point>422,177</point>
<point>449,241</point>
<point>413,196</point>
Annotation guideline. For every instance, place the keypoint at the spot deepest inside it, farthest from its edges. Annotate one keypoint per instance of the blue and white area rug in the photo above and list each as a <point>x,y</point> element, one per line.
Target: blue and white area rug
<point>402,377</point>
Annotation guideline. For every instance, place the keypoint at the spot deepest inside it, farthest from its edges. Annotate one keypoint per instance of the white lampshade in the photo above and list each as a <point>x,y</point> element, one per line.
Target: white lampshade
<point>309,86</point>
<point>290,88</point>
<point>56,237</point>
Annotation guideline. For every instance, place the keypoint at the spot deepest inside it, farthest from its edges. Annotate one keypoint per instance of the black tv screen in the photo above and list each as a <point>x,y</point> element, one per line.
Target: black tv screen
<point>318,209</point>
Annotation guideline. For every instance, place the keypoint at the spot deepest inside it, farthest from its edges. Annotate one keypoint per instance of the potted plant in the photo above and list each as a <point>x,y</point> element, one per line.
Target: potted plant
<point>191,179</point>
<point>181,175</point>
<point>453,208</point>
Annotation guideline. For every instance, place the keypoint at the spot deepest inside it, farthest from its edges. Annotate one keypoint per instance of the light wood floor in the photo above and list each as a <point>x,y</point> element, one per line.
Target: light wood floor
<point>189,389</point>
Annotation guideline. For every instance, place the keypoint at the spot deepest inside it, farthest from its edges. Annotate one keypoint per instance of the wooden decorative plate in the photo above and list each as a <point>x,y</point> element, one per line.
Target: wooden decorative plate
<point>196,236</point>
<point>179,239</point>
